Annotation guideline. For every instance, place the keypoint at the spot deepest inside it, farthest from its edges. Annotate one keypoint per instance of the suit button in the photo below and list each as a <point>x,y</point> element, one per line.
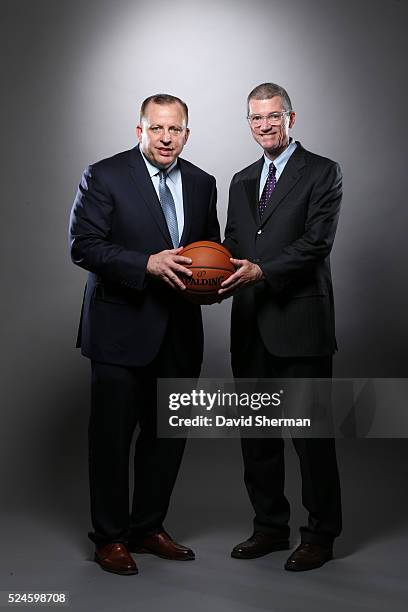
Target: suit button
<point>259,232</point>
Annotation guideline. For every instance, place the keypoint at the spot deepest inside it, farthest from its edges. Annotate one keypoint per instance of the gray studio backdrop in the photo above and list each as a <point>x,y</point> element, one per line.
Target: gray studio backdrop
<point>73,76</point>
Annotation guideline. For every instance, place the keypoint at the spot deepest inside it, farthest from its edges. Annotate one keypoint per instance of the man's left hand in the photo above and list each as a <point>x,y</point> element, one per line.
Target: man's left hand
<point>247,273</point>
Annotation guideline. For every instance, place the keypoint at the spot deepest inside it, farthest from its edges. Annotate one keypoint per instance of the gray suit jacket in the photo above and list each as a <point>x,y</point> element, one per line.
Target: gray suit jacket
<point>293,308</point>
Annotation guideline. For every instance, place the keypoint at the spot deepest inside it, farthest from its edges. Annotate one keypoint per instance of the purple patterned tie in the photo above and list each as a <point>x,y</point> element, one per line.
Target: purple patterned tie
<point>268,189</point>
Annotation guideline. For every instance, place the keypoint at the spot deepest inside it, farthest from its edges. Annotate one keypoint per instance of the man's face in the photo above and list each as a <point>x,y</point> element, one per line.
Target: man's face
<point>272,136</point>
<point>162,133</point>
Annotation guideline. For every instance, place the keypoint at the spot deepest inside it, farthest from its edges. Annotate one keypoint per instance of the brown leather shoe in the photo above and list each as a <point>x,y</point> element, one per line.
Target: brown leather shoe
<point>162,545</point>
<point>308,556</point>
<point>258,545</point>
<point>115,557</point>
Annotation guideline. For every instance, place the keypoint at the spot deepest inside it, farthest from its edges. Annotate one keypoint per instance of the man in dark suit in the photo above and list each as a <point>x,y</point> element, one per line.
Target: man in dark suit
<point>131,213</point>
<point>282,218</point>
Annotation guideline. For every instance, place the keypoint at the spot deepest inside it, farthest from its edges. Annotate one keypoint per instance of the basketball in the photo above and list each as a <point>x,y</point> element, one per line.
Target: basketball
<point>210,267</point>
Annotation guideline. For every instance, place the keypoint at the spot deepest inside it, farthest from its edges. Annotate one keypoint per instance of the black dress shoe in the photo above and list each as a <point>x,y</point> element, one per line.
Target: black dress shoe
<point>258,545</point>
<point>115,558</point>
<point>162,545</point>
<point>308,556</point>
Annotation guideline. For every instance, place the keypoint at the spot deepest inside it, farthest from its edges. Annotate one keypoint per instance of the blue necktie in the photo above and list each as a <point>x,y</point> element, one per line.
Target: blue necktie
<point>268,189</point>
<point>169,208</point>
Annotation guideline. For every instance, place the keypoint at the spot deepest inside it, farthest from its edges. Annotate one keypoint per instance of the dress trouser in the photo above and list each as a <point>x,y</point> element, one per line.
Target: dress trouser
<point>264,457</point>
<point>121,398</point>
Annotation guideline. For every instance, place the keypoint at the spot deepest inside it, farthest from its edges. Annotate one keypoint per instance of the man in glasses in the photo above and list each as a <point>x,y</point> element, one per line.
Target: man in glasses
<point>282,218</point>
<point>130,216</point>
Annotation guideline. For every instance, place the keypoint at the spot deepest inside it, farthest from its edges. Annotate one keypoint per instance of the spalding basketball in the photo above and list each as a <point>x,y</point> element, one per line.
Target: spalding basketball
<point>210,267</point>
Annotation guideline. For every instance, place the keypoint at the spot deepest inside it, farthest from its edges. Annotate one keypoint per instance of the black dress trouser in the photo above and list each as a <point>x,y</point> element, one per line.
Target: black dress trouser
<point>121,398</point>
<point>264,457</point>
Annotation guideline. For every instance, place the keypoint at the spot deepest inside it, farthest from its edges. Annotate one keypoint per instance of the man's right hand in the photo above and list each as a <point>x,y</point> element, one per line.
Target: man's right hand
<point>168,265</point>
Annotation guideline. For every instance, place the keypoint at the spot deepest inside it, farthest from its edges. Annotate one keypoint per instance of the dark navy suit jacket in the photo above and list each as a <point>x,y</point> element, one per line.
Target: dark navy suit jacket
<point>116,224</point>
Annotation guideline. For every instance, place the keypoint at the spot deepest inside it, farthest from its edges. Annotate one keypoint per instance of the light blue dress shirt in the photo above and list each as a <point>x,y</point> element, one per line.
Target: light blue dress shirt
<point>280,163</point>
<point>175,185</point>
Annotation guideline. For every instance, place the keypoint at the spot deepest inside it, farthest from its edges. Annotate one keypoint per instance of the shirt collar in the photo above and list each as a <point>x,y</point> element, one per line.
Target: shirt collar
<point>152,169</point>
<point>281,160</point>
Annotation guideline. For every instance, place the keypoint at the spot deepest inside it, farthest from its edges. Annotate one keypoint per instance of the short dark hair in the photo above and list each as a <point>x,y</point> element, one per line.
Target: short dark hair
<point>162,98</point>
<point>265,91</point>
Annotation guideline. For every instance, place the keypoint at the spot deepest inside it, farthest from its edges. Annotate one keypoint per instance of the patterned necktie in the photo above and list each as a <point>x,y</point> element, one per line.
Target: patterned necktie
<point>268,189</point>
<point>169,208</point>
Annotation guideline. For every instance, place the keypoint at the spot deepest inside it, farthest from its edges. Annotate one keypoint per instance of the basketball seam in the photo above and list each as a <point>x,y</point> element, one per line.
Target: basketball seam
<point>208,268</point>
<point>206,247</point>
<point>197,293</point>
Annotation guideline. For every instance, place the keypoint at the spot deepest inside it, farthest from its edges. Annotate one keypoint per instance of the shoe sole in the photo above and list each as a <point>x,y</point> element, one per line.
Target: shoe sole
<point>144,551</point>
<point>275,548</point>
<point>288,568</point>
<point>112,571</point>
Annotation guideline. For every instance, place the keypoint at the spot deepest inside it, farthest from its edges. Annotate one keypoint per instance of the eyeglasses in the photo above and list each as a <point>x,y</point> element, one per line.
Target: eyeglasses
<point>173,130</point>
<point>271,119</point>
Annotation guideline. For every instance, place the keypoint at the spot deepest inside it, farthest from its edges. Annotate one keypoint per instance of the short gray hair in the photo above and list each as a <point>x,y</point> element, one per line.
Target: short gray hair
<point>265,91</point>
<point>163,98</point>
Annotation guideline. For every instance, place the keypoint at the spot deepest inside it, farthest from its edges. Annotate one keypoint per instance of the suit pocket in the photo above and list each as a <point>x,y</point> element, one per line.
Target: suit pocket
<point>307,295</point>
<point>101,294</point>
<point>308,291</point>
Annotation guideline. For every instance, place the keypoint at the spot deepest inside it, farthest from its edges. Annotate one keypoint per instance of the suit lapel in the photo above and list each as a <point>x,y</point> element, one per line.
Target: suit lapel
<point>148,193</point>
<point>189,185</point>
<point>252,188</point>
<point>288,179</point>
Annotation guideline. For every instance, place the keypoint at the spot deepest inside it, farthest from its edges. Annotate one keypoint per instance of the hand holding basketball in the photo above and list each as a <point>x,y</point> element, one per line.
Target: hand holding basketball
<point>168,266</point>
<point>247,273</point>
<point>210,266</point>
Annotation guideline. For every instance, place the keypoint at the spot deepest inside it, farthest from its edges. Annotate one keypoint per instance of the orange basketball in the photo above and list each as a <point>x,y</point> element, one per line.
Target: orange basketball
<point>210,267</point>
